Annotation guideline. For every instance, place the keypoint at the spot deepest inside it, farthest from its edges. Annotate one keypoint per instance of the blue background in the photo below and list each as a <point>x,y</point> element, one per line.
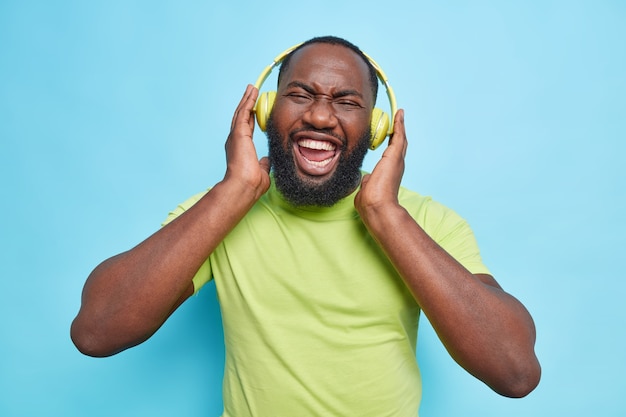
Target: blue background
<point>113,112</point>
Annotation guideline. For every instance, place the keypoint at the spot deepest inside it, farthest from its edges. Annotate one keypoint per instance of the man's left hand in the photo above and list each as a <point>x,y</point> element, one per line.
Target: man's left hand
<point>380,188</point>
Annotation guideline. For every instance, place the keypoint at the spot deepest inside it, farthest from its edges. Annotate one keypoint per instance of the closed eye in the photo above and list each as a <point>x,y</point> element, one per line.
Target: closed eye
<point>346,100</point>
<point>348,103</point>
<point>298,97</point>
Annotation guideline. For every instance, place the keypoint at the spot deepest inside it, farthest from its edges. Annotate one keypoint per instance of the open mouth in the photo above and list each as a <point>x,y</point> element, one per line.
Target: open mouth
<point>317,153</point>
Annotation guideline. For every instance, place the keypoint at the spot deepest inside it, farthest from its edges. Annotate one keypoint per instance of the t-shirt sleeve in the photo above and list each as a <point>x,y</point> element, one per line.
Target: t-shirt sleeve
<point>457,238</point>
<point>450,231</point>
<point>204,274</point>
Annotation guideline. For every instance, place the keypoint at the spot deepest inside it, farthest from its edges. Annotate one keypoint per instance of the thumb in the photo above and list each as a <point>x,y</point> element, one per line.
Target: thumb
<point>365,179</point>
<point>264,163</point>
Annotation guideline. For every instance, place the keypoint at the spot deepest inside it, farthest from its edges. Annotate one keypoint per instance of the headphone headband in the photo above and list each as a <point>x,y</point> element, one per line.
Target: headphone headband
<point>266,72</point>
<point>379,73</point>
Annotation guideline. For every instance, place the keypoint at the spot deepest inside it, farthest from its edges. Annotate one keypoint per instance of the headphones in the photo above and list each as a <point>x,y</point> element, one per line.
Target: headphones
<point>381,123</point>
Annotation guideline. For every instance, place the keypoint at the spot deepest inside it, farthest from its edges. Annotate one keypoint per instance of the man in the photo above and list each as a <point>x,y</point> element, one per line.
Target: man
<point>321,272</point>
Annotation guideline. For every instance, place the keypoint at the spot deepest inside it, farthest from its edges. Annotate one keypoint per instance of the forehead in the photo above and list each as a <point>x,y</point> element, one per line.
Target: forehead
<point>329,66</point>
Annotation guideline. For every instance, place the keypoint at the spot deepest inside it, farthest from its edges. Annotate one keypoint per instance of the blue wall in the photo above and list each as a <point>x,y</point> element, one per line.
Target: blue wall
<point>113,112</point>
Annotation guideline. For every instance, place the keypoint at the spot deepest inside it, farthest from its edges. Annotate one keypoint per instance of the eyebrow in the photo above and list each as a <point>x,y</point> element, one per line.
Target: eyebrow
<point>310,90</point>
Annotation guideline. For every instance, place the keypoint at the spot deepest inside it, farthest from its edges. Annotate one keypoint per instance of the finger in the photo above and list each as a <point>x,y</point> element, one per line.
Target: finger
<point>398,138</point>
<point>245,106</point>
<point>238,108</point>
<point>254,95</point>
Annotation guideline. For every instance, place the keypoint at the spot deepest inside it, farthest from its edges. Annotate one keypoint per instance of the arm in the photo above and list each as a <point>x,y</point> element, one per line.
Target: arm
<point>129,296</point>
<point>487,331</point>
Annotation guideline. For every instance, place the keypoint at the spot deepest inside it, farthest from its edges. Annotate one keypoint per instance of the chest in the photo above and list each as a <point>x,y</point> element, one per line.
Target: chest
<point>300,267</point>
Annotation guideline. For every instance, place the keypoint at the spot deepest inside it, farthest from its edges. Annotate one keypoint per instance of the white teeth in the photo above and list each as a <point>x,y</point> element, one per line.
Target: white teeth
<point>319,164</point>
<point>316,144</point>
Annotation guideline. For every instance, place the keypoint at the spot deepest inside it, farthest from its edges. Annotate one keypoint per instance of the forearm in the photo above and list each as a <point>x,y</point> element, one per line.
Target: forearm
<point>486,330</point>
<point>128,297</point>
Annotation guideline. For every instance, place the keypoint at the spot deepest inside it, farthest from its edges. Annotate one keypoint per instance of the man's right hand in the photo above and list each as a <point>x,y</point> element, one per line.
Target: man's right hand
<point>243,165</point>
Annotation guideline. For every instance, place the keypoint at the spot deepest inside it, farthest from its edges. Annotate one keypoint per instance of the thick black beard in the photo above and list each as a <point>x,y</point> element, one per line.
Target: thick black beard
<point>300,192</point>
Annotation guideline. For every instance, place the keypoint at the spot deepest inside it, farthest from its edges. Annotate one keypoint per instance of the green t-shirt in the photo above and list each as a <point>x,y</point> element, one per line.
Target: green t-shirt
<point>317,322</point>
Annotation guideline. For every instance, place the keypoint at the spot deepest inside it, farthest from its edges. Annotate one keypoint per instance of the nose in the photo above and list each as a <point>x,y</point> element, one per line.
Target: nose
<point>321,114</point>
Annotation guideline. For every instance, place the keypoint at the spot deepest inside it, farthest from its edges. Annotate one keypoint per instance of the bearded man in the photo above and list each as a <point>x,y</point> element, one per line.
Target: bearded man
<point>321,270</point>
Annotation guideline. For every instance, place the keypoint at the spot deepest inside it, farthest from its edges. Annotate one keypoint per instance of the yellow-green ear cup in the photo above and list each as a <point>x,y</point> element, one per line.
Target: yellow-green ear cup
<point>380,127</point>
<point>264,108</point>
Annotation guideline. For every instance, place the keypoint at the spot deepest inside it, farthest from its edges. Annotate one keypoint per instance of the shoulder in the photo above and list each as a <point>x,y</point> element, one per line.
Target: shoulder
<point>451,231</point>
<point>436,219</point>
<point>184,206</point>
<point>422,207</point>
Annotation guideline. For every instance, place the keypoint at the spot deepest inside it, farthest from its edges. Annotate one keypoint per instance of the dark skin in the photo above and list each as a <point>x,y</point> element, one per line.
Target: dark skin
<point>129,296</point>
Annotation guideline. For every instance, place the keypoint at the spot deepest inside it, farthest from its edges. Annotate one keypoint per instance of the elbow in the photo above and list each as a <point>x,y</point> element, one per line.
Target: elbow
<point>100,341</point>
<point>87,342</point>
<point>520,382</point>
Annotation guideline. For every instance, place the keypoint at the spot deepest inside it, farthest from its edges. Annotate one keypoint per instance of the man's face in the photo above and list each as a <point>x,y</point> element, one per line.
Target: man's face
<point>319,128</point>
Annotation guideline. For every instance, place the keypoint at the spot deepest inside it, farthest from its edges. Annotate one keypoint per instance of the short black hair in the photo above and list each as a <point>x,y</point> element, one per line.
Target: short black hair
<point>334,40</point>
